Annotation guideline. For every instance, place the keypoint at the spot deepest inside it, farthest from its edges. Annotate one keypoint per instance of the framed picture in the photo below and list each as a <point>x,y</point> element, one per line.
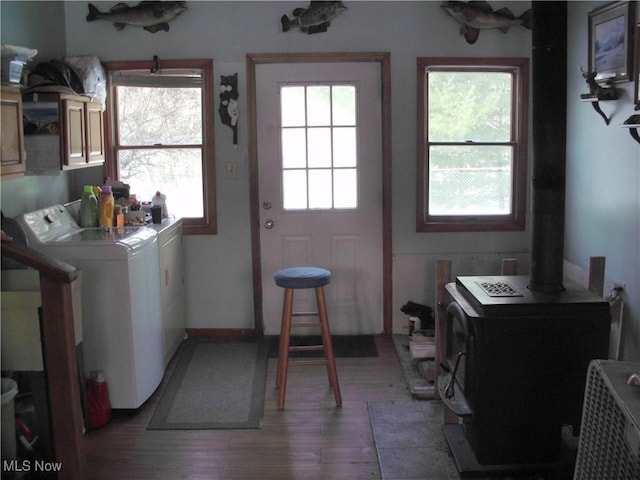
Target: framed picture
<point>636,68</point>
<point>611,42</point>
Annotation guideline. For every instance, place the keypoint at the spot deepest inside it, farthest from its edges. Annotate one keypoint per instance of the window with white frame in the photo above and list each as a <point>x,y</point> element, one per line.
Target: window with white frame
<point>161,136</point>
<point>473,143</point>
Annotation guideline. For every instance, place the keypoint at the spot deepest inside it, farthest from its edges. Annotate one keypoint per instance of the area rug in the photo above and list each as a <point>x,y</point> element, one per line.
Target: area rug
<point>344,346</point>
<point>409,440</point>
<point>411,445</point>
<point>215,385</point>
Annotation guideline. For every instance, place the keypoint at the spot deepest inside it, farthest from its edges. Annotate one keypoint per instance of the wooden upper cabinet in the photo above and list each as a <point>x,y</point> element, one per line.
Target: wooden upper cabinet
<point>73,123</point>
<point>95,132</point>
<point>74,132</point>
<point>83,133</point>
<point>12,139</point>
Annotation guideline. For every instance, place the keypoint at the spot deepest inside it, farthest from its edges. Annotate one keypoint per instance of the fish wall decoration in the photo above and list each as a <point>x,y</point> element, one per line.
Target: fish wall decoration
<point>228,108</point>
<point>476,16</point>
<point>151,16</point>
<point>316,18</point>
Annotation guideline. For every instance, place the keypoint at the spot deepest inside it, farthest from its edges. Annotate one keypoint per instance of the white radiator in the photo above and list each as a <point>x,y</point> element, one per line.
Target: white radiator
<point>609,445</point>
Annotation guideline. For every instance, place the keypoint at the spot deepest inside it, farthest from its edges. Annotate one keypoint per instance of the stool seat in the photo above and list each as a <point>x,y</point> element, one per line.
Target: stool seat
<point>302,277</point>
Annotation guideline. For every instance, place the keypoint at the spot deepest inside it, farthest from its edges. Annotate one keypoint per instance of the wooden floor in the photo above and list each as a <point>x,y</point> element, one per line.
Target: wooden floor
<point>310,439</point>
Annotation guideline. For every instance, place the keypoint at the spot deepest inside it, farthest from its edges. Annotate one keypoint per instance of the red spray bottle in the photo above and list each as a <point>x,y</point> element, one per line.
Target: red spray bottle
<point>98,404</point>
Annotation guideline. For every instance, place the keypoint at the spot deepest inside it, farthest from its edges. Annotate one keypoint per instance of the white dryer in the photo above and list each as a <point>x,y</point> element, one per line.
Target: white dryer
<point>122,324</point>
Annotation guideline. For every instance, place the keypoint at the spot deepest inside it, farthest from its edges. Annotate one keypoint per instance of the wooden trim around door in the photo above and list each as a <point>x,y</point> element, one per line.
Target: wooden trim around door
<point>384,59</point>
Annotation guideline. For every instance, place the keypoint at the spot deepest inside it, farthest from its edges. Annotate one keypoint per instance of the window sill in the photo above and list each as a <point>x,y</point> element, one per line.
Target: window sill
<point>506,226</point>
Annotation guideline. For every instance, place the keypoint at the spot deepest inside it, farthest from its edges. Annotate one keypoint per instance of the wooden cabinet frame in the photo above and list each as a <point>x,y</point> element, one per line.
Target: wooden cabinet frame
<point>12,139</point>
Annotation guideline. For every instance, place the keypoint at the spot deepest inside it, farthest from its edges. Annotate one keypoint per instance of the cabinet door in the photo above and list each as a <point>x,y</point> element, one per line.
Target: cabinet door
<point>172,291</point>
<point>171,269</point>
<point>75,151</point>
<point>95,133</point>
<point>12,140</point>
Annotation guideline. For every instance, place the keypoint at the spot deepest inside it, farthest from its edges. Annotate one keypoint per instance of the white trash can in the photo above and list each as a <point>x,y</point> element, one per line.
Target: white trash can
<point>9,391</point>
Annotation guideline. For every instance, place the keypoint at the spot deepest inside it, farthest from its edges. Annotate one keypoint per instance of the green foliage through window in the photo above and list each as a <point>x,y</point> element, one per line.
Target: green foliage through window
<point>472,161</point>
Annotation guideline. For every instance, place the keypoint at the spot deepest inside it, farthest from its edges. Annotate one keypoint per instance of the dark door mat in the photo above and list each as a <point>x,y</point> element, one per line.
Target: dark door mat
<point>344,346</point>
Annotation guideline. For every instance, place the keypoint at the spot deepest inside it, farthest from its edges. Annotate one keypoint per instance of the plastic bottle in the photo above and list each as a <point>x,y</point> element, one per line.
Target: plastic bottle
<point>98,403</point>
<point>161,199</point>
<point>88,208</point>
<point>106,207</point>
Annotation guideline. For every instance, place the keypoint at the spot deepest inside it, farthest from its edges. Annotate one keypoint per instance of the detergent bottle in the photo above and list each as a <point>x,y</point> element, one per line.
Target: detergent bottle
<point>88,208</point>
<point>107,204</point>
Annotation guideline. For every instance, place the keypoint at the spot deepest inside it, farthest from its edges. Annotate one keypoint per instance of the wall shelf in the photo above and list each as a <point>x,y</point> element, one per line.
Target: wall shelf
<point>595,103</point>
<point>633,123</point>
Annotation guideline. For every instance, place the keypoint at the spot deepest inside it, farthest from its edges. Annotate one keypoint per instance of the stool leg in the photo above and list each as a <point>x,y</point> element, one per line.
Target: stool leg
<point>328,346</point>
<point>283,324</point>
<point>283,354</point>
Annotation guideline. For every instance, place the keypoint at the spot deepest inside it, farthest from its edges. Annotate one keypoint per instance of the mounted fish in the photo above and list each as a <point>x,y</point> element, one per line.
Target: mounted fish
<point>151,16</point>
<point>316,18</point>
<point>476,16</point>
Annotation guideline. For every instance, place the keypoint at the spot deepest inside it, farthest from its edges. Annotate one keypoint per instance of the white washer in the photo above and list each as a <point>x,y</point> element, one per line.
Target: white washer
<point>122,323</point>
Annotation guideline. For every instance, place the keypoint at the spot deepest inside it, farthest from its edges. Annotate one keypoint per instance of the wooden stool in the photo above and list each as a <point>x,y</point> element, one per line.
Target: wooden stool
<point>291,279</point>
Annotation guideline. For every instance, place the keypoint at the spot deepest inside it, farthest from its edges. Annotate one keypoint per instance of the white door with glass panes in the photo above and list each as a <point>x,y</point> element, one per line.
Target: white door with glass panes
<point>320,185</point>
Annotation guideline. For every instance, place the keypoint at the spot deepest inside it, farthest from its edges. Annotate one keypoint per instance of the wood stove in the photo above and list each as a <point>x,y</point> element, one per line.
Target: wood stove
<point>521,374</point>
<point>518,348</point>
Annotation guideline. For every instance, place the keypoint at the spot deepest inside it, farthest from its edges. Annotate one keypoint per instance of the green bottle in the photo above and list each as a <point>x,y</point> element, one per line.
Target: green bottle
<point>88,208</point>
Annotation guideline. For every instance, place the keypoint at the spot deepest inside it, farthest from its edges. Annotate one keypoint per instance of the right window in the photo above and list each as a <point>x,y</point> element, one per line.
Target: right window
<point>472,117</point>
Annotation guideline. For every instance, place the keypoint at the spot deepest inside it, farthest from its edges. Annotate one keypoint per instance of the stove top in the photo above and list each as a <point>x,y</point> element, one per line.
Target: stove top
<point>509,295</point>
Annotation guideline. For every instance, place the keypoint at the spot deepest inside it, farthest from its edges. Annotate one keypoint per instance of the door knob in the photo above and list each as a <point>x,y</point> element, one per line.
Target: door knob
<point>268,224</point>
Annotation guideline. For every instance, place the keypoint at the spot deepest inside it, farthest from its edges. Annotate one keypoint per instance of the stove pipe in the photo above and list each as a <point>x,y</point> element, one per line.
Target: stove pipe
<point>549,90</point>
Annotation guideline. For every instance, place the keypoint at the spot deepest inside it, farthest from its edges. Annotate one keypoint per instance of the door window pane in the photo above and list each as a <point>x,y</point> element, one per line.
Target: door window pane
<point>344,100</point>
<point>294,148</point>
<point>294,189</point>
<point>344,147</point>
<point>320,189</point>
<point>345,195</point>
<point>319,134</point>
<point>319,147</point>
<point>318,106</point>
<point>292,106</point>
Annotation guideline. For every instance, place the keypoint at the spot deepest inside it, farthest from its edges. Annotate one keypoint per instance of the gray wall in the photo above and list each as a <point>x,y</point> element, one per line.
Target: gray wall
<point>219,267</point>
